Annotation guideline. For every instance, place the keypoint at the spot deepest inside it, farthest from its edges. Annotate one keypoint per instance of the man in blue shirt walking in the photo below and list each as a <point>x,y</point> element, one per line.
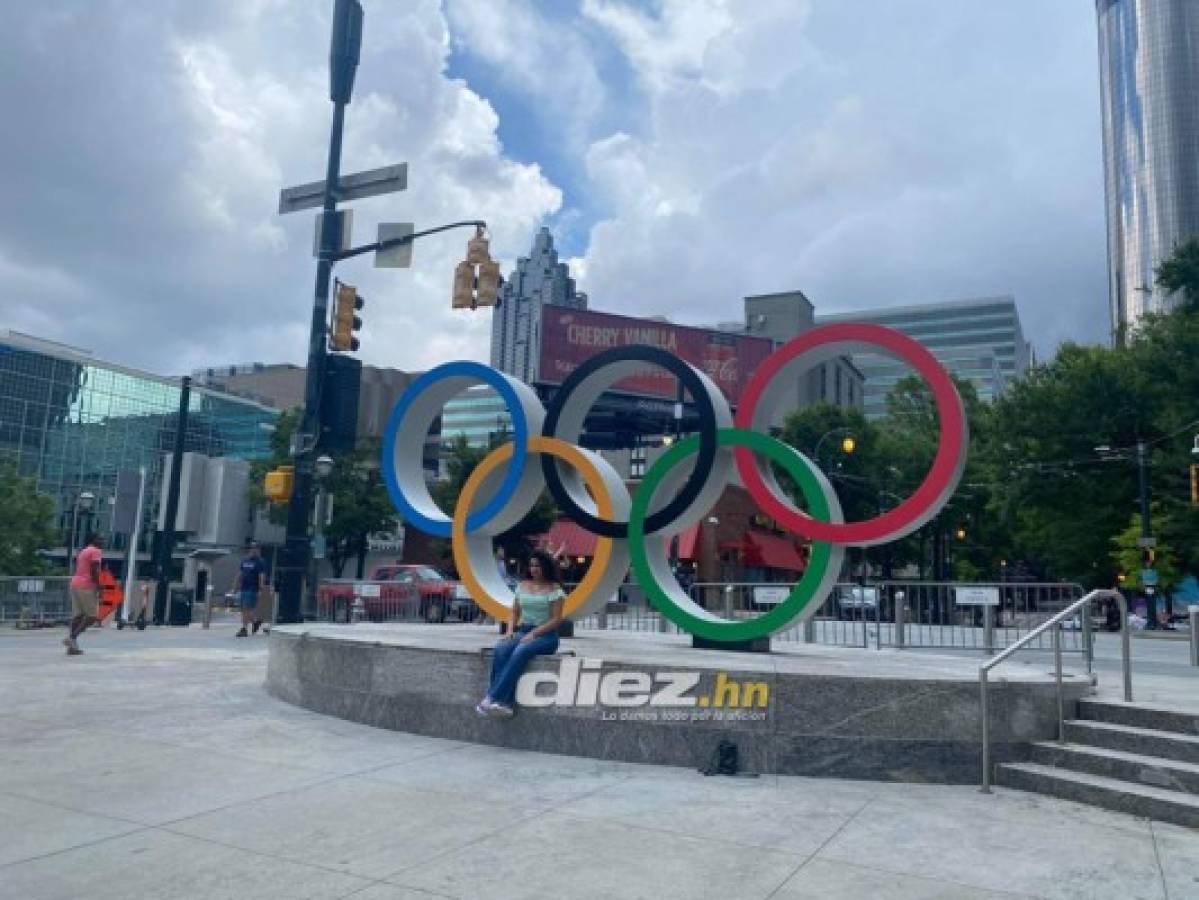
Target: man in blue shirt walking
<point>251,578</point>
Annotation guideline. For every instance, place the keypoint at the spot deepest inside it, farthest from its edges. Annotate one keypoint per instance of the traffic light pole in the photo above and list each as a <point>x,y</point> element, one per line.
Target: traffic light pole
<point>297,549</point>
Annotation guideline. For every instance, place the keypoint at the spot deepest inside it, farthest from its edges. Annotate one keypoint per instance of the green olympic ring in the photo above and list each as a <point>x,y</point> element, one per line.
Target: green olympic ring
<point>650,553</point>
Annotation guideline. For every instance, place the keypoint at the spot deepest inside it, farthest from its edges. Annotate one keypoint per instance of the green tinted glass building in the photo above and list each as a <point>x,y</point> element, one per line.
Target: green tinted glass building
<point>979,340</point>
<point>75,423</point>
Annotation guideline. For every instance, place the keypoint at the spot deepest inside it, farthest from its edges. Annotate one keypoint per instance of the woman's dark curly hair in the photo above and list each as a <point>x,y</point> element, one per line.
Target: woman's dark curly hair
<point>549,568</point>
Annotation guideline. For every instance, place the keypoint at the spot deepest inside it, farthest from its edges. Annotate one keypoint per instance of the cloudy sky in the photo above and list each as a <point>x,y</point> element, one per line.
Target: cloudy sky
<point>685,153</point>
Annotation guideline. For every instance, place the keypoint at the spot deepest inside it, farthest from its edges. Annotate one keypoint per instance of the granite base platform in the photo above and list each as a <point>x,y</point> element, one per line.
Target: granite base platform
<point>801,710</point>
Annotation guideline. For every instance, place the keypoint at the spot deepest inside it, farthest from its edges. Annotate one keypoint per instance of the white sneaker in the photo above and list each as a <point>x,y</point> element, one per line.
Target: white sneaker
<point>502,711</point>
<point>485,707</point>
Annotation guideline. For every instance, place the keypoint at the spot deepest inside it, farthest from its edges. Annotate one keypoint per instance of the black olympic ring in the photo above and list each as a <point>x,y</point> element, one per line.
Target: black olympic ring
<point>704,395</point>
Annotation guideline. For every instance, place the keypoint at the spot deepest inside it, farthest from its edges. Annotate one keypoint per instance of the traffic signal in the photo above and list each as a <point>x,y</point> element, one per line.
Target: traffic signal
<point>345,322</point>
<point>477,278</point>
<point>489,284</point>
<point>464,286</point>
<point>279,484</point>
<point>1194,484</point>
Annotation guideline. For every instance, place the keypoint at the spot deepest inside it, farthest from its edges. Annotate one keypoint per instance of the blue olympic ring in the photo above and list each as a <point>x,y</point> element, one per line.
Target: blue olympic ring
<point>503,385</point>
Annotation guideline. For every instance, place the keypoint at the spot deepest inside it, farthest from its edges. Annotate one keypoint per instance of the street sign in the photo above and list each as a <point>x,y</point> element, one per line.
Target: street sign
<point>386,180</point>
<point>399,256</point>
<point>343,229</point>
<point>1149,577</point>
<point>976,596</point>
<point>765,595</point>
<point>1147,543</point>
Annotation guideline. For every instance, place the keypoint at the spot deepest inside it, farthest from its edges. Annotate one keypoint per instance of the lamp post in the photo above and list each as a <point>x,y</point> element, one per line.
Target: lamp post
<point>83,503</point>
<point>322,467</point>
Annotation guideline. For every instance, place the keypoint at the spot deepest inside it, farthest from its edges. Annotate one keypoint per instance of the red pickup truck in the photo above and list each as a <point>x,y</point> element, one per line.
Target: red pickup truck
<point>399,591</point>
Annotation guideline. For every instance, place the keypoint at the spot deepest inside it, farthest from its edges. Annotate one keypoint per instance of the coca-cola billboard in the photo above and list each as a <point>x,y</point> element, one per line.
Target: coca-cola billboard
<point>570,336</point>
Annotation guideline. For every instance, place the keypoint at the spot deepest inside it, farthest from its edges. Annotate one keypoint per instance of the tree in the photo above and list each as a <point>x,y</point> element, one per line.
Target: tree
<point>1181,273</point>
<point>460,463</point>
<point>1126,552</point>
<point>26,523</point>
<point>361,506</point>
<point>285,427</point>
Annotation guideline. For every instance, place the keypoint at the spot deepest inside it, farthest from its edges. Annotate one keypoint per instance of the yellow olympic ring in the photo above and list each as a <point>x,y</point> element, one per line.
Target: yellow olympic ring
<point>587,465</point>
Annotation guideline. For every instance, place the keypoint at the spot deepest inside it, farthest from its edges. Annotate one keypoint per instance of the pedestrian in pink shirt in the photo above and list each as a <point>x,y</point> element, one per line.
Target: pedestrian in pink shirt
<point>85,592</point>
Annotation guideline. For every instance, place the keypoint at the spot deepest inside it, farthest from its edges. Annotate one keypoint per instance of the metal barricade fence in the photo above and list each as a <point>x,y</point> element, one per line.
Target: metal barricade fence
<point>899,614</point>
<point>35,601</point>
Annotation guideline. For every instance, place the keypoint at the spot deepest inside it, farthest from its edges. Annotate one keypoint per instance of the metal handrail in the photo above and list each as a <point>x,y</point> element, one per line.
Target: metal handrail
<point>1054,623</point>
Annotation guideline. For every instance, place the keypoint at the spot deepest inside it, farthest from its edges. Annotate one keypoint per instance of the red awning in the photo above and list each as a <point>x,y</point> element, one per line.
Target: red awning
<point>768,551</point>
<point>574,540</point>
<point>689,542</point>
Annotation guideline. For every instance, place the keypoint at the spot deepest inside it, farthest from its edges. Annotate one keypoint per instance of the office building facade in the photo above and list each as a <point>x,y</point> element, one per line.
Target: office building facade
<point>980,341</point>
<point>77,425</point>
<point>1149,79</point>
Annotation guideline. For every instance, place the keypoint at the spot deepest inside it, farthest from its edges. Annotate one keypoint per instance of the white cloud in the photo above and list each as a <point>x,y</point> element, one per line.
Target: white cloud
<point>536,54</point>
<point>157,145</point>
<point>868,154</point>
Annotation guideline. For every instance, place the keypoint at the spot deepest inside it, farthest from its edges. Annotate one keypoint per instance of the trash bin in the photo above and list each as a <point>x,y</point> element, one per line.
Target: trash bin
<point>181,607</point>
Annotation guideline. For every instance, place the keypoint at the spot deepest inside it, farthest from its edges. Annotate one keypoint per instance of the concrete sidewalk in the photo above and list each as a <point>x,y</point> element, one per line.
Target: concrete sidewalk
<point>156,766</point>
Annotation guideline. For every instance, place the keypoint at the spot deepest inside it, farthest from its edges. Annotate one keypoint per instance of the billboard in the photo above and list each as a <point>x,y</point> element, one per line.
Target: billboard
<point>570,336</point>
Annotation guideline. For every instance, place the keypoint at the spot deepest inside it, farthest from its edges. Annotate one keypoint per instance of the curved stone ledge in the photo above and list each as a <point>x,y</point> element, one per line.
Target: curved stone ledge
<point>831,712</point>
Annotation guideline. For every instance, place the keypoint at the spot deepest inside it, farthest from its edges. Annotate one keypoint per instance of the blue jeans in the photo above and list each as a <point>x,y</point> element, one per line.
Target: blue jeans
<point>512,657</point>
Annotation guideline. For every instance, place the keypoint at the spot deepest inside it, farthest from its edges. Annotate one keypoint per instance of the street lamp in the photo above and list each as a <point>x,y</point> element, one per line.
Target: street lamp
<point>83,503</point>
<point>322,467</point>
<point>848,443</point>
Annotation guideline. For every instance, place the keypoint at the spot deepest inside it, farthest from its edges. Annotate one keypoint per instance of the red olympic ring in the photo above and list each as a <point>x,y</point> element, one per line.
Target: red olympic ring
<point>929,497</point>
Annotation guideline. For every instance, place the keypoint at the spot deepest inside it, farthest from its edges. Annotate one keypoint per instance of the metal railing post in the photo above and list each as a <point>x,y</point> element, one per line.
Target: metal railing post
<point>988,629</point>
<point>1193,613</point>
<point>1088,638</point>
<point>900,623</point>
<point>809,631</point>
<point>1125,647</point>
<point>1057,671</point>
<point>986,730</point>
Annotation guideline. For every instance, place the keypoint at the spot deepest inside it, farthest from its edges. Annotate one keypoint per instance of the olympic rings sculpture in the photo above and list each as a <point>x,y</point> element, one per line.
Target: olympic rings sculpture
<point>635,531</point>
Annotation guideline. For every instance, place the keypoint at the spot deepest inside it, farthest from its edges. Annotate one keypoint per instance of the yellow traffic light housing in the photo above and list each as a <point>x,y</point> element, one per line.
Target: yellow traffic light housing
<point>279,484</point>
<point>464,286</point>
<point>345,322</point>
<point>489,284</point>
<point>477,278</point>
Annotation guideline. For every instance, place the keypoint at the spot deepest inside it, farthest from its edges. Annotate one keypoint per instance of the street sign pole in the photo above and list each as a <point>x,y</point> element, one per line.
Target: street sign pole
<point>343,61</point>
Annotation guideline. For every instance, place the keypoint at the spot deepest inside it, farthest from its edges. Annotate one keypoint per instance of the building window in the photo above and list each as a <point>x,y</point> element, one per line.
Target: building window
<point>837,384</point>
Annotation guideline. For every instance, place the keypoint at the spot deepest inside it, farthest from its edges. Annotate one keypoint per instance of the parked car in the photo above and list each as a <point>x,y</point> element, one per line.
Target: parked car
<point>400,590</point>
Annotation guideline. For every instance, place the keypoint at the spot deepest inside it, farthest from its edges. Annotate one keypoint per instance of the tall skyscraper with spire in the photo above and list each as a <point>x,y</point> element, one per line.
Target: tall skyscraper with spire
<point>539,279</point>
<point>1149,82</point>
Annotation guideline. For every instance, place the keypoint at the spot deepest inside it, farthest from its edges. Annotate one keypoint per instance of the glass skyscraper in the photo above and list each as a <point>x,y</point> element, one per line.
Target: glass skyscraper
<point>74,423</point>
<point>1149,81</point>
<point>539,279</point>
<point>980,341</point>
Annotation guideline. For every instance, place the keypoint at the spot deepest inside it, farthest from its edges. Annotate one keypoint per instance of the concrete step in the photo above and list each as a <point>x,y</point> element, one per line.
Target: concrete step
<point>1107,793</point>
<point>1140,715</point>
<point>1146,741</point>
<point>1135,767</point>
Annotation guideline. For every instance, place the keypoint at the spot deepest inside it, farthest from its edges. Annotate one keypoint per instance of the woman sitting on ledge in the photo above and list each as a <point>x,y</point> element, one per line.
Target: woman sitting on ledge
<point>533,631</point>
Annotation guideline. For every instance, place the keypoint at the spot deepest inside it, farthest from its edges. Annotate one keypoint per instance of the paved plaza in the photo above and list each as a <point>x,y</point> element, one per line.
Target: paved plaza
<point>156,766</point>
